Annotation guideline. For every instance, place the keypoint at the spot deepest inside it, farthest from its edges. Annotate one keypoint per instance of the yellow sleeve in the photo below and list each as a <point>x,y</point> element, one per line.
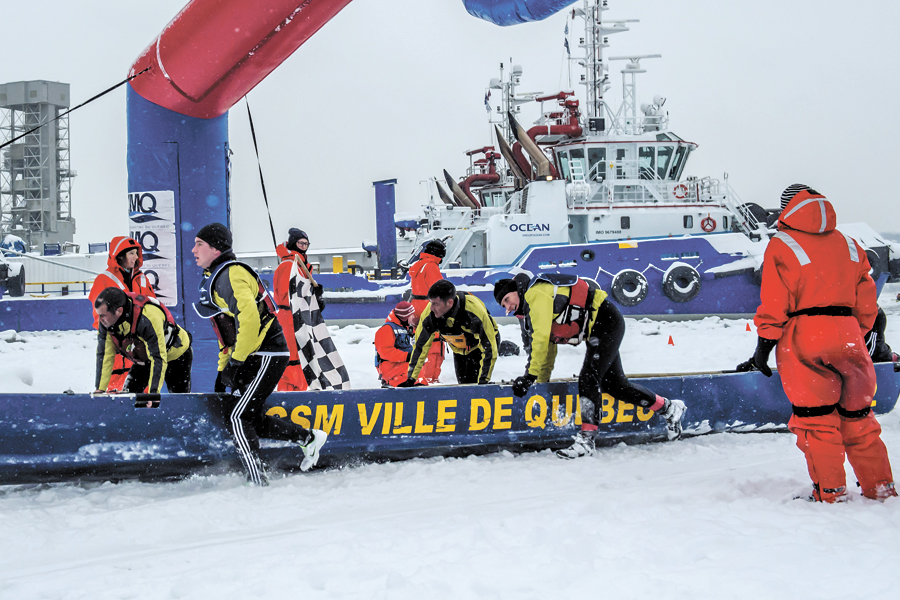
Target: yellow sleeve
<point>539,301</point>
<point>488,337</point>
<point>424,339</point>
<point>242,305</point>
<point>106,363</point>
<point>152,332</point>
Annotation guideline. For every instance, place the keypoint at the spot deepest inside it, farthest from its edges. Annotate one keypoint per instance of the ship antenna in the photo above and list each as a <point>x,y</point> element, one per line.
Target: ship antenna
<point>596,32</point>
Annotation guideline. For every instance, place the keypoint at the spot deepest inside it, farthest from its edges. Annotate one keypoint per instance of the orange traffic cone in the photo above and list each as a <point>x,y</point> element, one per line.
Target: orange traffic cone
<point>671,341</point>
<point>748,327</point>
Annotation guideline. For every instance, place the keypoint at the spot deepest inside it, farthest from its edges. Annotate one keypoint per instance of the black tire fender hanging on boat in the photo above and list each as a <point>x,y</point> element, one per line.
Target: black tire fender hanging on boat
<point>629,287</point>
<point>757,276</point>
<point>875,262</point>
<point>681,283</point>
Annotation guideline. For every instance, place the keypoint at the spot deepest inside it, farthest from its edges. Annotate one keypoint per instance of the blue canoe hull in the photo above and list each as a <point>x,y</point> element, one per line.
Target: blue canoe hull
<point>57,438</point>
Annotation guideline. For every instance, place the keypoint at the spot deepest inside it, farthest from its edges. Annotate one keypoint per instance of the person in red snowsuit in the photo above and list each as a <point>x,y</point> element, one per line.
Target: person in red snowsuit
<point>424,273</point>
<point>817,301</point>
<point>123,270</point>
<point>292,380</point>
<point>393,345</point>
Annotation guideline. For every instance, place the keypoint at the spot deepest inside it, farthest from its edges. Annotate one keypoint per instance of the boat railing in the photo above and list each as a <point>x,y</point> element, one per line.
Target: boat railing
<point>738,208</point>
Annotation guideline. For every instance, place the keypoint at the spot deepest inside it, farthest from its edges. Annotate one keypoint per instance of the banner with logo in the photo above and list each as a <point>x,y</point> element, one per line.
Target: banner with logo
<point>151,222</point>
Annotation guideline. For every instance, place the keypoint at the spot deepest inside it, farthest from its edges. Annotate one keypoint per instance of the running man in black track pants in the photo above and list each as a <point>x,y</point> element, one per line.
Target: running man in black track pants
<point>252,352</point>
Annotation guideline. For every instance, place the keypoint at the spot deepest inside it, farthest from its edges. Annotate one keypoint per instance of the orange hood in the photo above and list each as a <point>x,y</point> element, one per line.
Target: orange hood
<point>118,245</point>
<point>807,212</point>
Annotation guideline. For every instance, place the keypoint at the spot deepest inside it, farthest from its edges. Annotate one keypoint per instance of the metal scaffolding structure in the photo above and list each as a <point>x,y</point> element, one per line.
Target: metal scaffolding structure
<point>35,174</point>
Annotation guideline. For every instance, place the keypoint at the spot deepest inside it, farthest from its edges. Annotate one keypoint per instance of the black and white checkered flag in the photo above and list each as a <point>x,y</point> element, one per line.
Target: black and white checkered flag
<point>322,365</point>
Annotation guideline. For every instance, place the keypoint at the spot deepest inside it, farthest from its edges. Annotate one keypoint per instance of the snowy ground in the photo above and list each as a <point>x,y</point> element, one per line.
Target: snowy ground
<point>708,517</point>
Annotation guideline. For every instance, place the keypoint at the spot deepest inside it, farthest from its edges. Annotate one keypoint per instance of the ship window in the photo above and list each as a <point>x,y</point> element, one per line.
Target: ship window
<point>625,222</point>
<point>680,155</point>
<point>620,163</point>
<point>563,163</point>
<point>688,222</point>
<point>597,164</point>
<point>663,158</point>
<point>576,163</point>
<point>646,159</point>
<point>725,223</point>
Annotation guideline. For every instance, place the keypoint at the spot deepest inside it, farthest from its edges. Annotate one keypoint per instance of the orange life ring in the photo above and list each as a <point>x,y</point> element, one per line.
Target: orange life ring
<point>708,224</point>
<point>680,191</point>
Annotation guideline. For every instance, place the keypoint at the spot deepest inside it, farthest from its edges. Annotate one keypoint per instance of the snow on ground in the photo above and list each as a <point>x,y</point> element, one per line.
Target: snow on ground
<point>707,517</point>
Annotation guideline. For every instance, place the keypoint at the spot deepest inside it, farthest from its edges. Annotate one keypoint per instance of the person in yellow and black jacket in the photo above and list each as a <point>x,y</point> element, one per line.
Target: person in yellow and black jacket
<point>252,351</point>
<point>143,331</point>
<point>565,309</point>
<point>464,323</point>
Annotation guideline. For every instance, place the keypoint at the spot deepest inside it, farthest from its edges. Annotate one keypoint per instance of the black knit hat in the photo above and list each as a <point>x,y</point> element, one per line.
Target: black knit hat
<point>792,190</point>
<point>294,236</point>
<point>504,287</point>
<point>435,248</point>
<point>216,235</point>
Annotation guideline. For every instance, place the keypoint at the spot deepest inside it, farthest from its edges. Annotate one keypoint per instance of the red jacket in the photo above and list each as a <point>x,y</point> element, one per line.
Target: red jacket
<point>281,281</point>
<point>115,277</point>
<point>393,344</point>
<point>423,274</point>
<point>811,264</point>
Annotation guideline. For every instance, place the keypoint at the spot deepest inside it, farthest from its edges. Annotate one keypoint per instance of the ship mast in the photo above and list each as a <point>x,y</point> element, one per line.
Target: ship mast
<point>596,77</point>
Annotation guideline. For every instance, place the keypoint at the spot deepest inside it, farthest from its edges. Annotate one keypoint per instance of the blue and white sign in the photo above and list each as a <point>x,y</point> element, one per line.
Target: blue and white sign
<point>151,222</point>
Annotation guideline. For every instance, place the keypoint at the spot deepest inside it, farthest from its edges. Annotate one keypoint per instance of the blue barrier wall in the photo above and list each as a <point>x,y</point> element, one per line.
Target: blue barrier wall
<point>59,314</point>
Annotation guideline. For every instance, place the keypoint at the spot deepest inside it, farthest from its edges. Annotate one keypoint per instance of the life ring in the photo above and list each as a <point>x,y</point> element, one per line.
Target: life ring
<point>629,287</point>
<point>681,283</point>
<point>680,191</point>
<point>708,224</point>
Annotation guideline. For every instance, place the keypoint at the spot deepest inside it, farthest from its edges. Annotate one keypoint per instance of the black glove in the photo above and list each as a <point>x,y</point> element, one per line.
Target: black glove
<point>219,388</point>
<point>746,366</point>
<point>761,356</point>
<point>318,290</point>
<point>230,375</point>
<point>521,384</point>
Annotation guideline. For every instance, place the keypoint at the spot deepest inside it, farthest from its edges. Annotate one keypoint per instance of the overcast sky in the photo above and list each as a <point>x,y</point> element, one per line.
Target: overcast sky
<point>773,91</point>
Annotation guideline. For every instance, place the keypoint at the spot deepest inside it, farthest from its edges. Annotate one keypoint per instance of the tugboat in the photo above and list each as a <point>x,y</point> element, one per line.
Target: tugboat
<point>599,193</point>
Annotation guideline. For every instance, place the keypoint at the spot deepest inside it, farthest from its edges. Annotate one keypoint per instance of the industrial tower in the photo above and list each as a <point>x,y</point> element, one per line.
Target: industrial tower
<point>35,179</point>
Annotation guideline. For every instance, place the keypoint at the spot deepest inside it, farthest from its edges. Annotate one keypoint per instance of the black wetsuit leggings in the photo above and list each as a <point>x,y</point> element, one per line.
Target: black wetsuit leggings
<point>177,377</point>
<point>468,367</point>
<point>602,371</point>
<point>245,414</point>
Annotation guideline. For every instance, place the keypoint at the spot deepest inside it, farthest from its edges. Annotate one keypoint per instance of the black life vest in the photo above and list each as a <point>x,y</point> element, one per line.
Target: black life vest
<point>132,347</point>
<point>569,327</point>
<point>224,324</point>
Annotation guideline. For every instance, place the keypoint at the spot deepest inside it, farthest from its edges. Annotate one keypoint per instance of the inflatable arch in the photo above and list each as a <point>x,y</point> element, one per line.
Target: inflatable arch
<point>205,60</point>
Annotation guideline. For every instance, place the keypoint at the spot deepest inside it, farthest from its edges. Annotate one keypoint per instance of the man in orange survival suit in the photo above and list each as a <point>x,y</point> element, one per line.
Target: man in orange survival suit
<point>393,345</point>
<point>817,301</point>
<point>423,274</point>
<point>123,271</point>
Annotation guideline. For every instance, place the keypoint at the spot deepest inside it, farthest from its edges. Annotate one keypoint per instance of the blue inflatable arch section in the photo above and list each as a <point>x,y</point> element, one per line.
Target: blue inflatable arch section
<point>514,12</point>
